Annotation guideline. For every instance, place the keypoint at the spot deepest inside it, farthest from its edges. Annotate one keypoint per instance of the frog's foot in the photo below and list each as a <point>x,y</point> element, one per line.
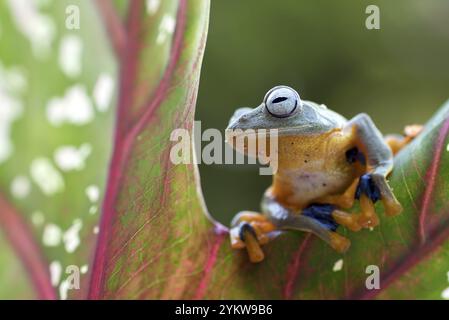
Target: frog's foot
<point>397,142</point>
<point>412,131</point>
<point>347,220</point>
<point>251,230</point>
<point>368,217</point>
<point>330,218</point>
<point>368,193</point>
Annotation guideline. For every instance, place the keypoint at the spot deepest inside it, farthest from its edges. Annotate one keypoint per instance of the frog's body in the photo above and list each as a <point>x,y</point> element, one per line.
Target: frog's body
<point>312,167</point>
<point>324,163</point>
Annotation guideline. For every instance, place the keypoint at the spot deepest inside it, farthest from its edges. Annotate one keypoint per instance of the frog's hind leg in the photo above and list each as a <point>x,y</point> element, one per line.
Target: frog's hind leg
<point>344,201</point>
<point>308,224</point>
<point>367,193</point>
<point>251,230</point>
<point>317,219</point>
<point>396,141</point>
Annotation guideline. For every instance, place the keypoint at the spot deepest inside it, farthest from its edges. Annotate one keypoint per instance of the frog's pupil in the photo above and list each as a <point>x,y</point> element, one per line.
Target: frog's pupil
<point>280,99</point>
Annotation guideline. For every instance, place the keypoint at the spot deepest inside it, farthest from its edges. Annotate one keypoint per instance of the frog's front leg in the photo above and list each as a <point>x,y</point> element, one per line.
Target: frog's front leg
<point>397,142</point>
<point>373,186</point>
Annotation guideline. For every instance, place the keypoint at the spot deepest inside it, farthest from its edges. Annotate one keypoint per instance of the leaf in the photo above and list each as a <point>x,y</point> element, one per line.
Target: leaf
<point>184,256</point>
<point>156,239</point>
<point>151,208</point>
<point>158,244</point>
<point>411,266</point>
<point>40,200</point>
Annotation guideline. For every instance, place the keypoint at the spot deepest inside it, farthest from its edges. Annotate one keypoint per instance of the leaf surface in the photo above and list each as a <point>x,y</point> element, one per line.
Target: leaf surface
<point>169,249</point>
<point>54,146</point>
<point>156,239</point>
<point>150,224</point>
<point>159,243</point>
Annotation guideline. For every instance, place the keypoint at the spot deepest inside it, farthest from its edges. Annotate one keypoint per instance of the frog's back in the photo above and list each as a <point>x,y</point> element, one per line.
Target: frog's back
<point>332,119</point>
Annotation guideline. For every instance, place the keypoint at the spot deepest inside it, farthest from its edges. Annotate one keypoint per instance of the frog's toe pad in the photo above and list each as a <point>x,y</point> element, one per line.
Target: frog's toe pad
<point>368,187</point>
<point>339,243</point>
<point>368,221</point>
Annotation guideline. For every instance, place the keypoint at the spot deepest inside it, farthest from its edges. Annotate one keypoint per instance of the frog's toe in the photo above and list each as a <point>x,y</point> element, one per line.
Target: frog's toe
<point>368,217</point>
<point>390,203</point>
<point>339,243</point>
<point>348,220</point>
<point>368,221</point>
<point>368,187</point>
<point>236,241</point>
<point>392,207</point>
<point>249,238</point>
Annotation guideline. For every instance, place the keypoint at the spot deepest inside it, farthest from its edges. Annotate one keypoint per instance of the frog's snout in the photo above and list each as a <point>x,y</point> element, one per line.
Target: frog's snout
<point>240,116</point>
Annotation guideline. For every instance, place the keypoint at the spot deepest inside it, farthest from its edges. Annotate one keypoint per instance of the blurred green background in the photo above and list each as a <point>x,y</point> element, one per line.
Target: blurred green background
<point>398,74</point>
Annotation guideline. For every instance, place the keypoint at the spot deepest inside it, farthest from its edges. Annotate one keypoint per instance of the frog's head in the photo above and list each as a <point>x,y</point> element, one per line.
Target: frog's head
<point>283,109</point>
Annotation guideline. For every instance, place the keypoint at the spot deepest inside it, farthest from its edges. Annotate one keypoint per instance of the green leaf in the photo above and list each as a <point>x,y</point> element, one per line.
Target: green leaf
<point>151,210</point>
<point>156,239</point>
<point>167,249</point>
<point>42,198</point>
<point>159,243</point>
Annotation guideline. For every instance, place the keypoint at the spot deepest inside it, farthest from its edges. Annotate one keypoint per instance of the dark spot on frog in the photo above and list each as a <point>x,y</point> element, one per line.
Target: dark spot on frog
<point>353,155</point>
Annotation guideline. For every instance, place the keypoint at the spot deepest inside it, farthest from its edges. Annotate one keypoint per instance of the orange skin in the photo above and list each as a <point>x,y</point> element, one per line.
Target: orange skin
<point>312,167</point>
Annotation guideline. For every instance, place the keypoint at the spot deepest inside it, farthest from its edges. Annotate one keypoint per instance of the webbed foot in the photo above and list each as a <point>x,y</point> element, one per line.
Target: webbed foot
<point>251,230</point>
<point>368,193</point>
<point>372,188</point>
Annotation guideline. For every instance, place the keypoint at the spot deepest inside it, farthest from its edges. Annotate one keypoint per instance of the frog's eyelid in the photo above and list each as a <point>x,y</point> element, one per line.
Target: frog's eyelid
<point>290,94</point>
<point>268,94</point>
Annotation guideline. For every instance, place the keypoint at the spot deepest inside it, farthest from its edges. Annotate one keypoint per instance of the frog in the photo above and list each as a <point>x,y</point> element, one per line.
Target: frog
<point>325,164</point>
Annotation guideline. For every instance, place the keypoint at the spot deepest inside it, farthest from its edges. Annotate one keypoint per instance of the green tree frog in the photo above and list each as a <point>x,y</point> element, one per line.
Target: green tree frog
<point>325,163</point>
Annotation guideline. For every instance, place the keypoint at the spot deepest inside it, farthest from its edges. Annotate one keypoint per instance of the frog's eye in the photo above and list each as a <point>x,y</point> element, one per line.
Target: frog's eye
<point>282,101</point>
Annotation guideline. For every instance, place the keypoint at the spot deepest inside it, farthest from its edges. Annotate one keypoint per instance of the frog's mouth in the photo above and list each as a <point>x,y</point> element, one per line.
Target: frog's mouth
<point>250,142</point>
<point>240,133</point>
